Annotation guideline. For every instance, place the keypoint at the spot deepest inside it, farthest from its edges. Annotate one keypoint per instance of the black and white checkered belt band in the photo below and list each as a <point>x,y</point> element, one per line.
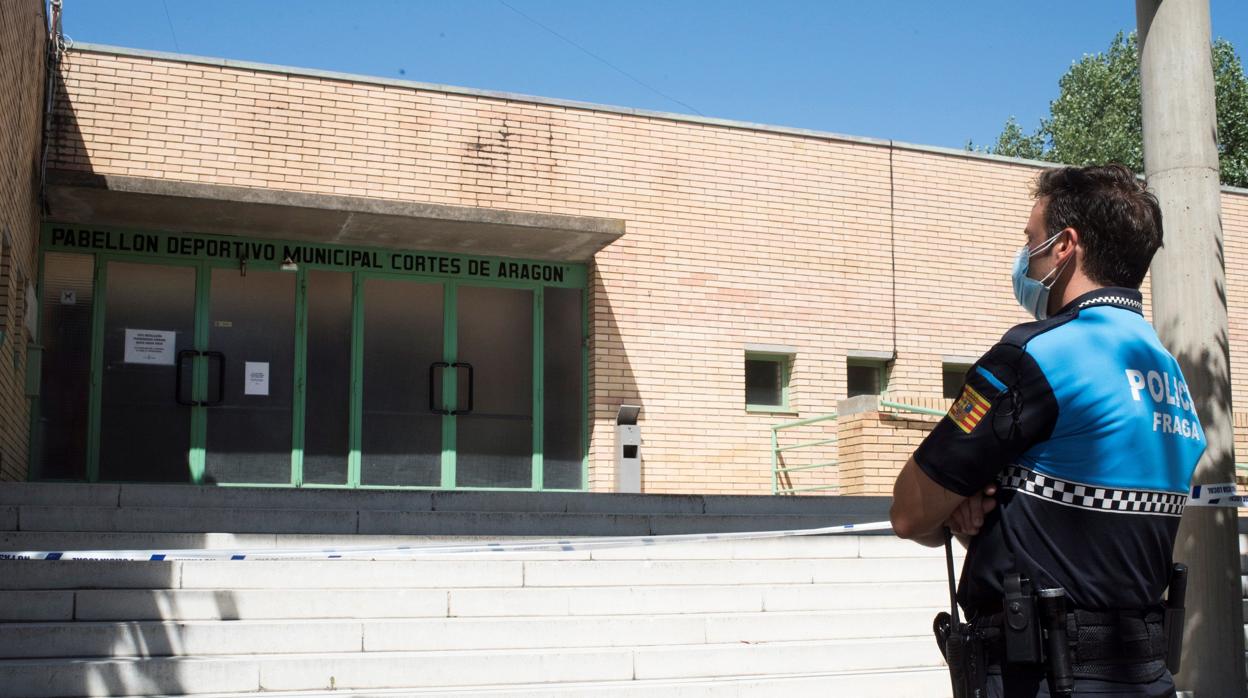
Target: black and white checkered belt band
<point>1093,497</point>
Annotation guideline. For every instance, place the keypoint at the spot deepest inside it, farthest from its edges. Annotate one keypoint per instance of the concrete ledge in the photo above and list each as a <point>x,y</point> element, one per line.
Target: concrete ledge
<point>141,495</point>
<point>146,508</point>
<point>871,355</point>
<point>857,405</point>
<point>59,493</point>
<point>194,496</point>
<point>171,205</point>
<point>175,520</point>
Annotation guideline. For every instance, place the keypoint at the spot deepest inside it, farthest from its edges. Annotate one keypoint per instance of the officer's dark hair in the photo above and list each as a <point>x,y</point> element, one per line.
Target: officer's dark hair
<point>1119,221</point>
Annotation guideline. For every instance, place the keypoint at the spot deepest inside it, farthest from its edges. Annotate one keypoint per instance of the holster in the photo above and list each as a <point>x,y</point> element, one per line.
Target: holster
<point>963,647</point>
<point>1175,602</point>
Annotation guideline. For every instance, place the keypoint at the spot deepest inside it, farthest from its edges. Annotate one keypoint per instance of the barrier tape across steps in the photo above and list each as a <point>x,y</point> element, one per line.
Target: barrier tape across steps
<point>1219,495</point>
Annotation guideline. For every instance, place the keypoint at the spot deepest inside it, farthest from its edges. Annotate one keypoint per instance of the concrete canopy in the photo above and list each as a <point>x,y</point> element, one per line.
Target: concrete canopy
<point>167,205</point>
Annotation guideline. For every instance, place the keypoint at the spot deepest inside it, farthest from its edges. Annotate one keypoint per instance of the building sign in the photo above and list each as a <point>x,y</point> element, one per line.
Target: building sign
<point>150,347</point>
<point>199,247</point>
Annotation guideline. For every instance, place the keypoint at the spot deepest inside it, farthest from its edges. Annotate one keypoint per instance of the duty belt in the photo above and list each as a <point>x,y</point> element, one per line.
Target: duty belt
<point>1036,630</point>
<point>1126,645</point>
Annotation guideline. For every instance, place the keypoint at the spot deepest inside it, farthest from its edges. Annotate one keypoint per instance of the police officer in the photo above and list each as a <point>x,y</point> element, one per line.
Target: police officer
<point>1067,459</point>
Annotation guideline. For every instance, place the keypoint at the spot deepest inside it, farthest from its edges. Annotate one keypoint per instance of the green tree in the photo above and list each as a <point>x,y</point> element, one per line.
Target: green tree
<point>1096,116</point>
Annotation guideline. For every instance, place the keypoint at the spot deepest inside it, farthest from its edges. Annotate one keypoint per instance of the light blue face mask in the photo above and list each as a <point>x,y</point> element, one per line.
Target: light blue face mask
<point>1033,294</point>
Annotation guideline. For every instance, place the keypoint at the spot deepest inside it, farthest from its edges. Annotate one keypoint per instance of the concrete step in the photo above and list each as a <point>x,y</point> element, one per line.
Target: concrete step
<point>302,574</point>
<point>930,683</point>
<point>220,604</point>
<point>497,603</point>
<point>852,509</point>
<point>626,572</point>
<point>294,604</point>
<point>49,678</point>
<point>204,638</point>
<point>828,546</point>
<point>377,574</point>
<point>339,520</point>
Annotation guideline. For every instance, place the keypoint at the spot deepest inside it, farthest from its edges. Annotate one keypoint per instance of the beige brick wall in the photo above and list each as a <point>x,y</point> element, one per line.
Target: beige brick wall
<point>1235,240</point>
<point>22,36</point>
<point>874,446</point>
<point>735,236</point>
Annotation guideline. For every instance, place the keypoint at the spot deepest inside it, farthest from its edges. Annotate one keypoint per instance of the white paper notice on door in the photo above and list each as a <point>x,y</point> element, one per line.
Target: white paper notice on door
<point>150,347</point>
<point>256,377</point>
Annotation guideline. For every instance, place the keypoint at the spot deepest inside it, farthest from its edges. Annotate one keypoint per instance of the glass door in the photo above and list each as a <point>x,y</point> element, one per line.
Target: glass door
<point>250,362</point>
<point>494,387</point>
<point>196,375</point>
<point>146,376</point>
<point>401,422</point>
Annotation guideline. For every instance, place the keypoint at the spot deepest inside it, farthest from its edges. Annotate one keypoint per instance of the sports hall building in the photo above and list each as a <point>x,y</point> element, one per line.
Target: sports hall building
<point>229,273</point>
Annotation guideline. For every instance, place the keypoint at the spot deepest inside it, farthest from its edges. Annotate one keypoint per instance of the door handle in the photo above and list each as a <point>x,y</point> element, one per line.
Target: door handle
<point>471,388</point>
<point>433,373</point>
<point>178,369</point>
<point>210,355</point>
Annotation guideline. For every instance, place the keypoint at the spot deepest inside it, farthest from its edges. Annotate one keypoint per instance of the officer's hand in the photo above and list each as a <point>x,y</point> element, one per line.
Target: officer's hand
<point>967,519</point>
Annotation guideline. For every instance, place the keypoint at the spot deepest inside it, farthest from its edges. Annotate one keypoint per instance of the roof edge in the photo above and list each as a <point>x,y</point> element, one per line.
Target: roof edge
<point>568,104</point>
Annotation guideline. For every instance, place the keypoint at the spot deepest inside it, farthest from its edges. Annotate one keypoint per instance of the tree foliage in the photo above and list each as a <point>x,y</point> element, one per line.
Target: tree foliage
<point>1096,116</point>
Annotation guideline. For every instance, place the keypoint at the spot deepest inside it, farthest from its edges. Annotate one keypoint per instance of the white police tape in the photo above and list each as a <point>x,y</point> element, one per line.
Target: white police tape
<point>401,552</point>
<point>1219,495</point>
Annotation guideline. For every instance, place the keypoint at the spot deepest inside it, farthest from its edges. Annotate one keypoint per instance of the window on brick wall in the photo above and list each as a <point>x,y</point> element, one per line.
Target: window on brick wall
<point>952,376</point>
<point>864,377</point>
<point>767,381</point>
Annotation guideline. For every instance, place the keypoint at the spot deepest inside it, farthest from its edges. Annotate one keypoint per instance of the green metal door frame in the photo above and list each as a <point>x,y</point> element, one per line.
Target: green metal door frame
<point>197,251</point>
<point>199,374</point>
<point>450,381</point>
<point>299,397</point>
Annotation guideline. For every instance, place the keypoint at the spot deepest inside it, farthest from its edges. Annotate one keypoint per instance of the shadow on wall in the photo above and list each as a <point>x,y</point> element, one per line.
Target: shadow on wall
<point>1207,371</point>
<point>68,149</point>
<point>611,384</point>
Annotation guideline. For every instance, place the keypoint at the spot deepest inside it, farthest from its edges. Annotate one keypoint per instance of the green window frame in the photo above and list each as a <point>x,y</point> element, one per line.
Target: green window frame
<point>881,376</point>
<point>784,364</point>
<point>952,375</point>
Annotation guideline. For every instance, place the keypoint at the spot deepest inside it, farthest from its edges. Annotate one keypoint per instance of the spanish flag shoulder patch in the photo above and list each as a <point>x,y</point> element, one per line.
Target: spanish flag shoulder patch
<point>969,409</point>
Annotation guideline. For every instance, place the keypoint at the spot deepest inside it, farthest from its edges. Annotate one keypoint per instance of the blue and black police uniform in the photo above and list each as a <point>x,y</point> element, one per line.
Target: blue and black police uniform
<point>1087,426</point>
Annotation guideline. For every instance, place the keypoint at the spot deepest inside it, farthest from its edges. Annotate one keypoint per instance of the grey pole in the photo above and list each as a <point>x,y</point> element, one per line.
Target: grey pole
<point>1189,311</point>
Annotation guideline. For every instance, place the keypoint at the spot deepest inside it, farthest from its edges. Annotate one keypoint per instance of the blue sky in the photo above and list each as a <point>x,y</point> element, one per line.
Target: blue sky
<point>913,70</point>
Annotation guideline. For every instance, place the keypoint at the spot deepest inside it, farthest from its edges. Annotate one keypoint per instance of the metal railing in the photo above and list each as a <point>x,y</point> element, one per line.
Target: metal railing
<point>779,471</point>
<point>902,407</point>
<point>888,406</point>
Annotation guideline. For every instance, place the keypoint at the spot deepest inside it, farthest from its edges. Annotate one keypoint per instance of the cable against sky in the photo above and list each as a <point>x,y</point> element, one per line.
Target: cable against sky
<point>602,60</point>
<point>169,19</point>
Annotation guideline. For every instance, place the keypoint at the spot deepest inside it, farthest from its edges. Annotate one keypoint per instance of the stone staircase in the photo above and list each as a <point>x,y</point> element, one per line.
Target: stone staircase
<point>829,615</point>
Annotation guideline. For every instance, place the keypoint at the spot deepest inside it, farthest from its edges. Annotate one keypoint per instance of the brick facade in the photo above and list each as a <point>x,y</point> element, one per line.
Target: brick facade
<point>23,38</point>
<point>735,236</point>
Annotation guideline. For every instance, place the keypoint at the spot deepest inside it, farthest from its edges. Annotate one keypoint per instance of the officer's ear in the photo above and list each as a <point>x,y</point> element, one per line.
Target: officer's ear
<point>1066,245</point>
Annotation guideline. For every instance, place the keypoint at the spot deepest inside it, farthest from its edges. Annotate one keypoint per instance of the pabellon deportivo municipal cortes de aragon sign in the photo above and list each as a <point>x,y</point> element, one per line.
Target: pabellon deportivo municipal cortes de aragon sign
<point>70,238</point>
